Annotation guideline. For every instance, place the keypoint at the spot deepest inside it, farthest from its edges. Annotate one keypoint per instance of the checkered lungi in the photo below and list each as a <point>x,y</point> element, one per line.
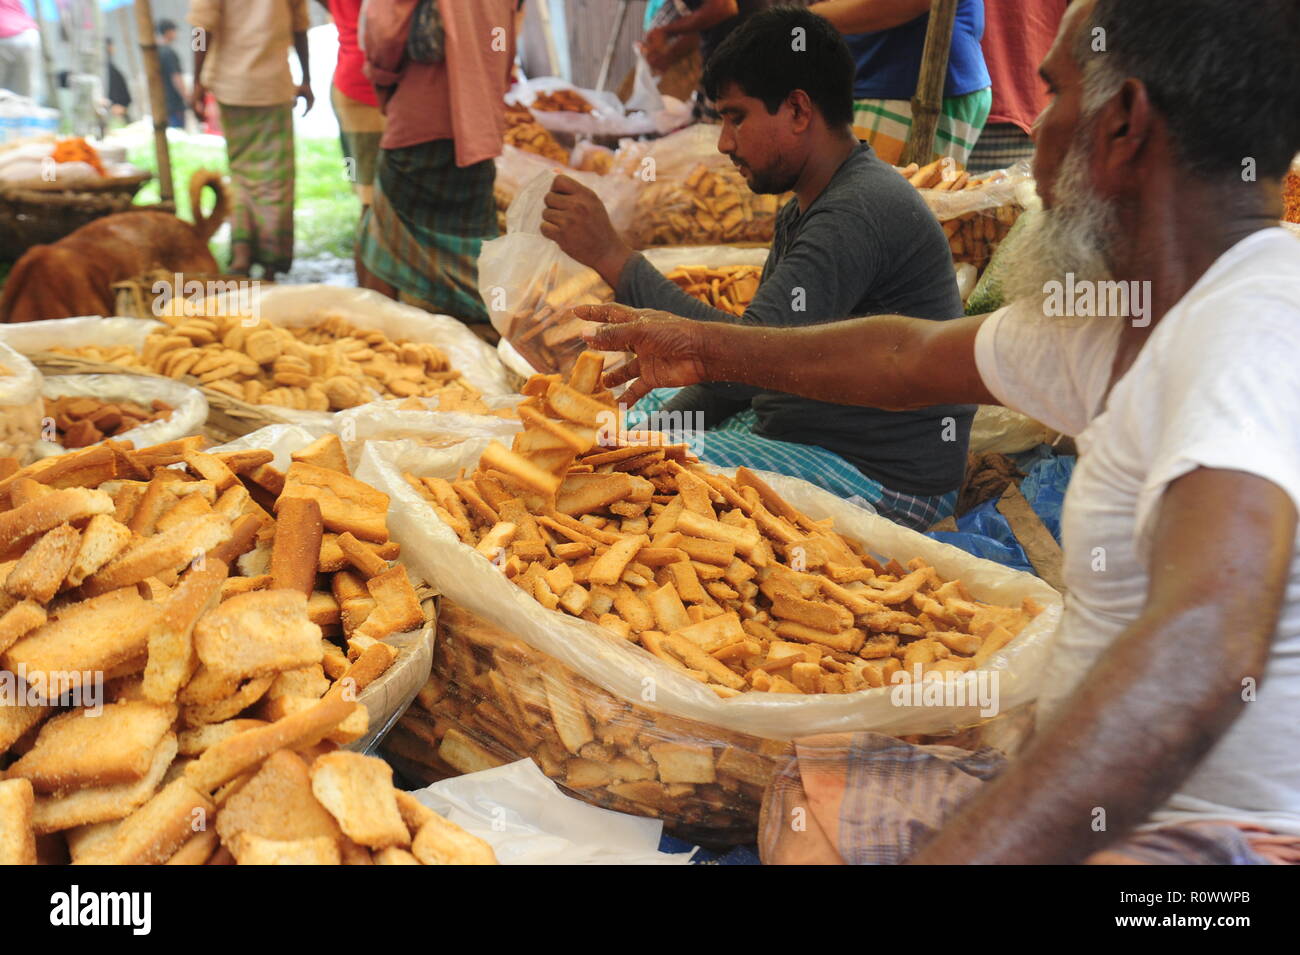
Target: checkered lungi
<point>360,128</point>
<point>870,799</point>
<point>426,224</point>
<point>259,145</point>
<point>1000,145</point>
<point>885,124</point>
<point>734,444</point>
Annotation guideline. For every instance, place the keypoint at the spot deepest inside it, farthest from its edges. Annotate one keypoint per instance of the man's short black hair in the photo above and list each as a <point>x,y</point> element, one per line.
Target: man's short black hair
<point>1224,75</point>
<point>164,25</point>
<point>783,49</point>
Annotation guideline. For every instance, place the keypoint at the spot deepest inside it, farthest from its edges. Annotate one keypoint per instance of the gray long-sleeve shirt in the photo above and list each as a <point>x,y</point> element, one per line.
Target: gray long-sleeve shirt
<point>868,245</point>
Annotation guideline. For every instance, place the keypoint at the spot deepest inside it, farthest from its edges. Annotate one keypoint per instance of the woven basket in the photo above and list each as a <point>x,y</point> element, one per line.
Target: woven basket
<point>228,418</point>
<point>37,213</point>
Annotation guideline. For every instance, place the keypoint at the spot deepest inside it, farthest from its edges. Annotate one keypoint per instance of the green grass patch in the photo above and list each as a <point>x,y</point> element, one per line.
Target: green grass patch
<point>325,207</point>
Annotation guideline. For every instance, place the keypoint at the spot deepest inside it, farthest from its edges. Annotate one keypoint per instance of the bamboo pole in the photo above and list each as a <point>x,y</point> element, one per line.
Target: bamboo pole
<point>130,61</point>
<point>928,100</point>
<point>157,100</point>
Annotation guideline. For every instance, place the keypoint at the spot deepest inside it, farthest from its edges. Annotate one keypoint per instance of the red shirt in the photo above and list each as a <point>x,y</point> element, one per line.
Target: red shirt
<point>1017,35</point>
<point>348,75</point>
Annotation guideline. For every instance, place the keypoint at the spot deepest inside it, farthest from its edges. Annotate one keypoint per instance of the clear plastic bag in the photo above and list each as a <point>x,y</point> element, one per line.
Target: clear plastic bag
<point>529,284</point>
<point>588,157</point>
<point>21,407</point>
<point>977,218</point>
<point>1003,431</point>
<point>607,117</point>
<point>690,194</point>
<point>492,699</point>
<point>672,156</point>
<point>89,331</point>
<point>515,169</point>
<point>189,407</point>
<point>645,96</point>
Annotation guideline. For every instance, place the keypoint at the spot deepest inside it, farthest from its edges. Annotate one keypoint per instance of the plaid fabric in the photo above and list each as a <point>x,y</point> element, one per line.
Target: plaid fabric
<point>734,444</point>
<point>869,799</point>
<point>865,799</point>
<point>426,224</point>
<point>1203,843</point>
<point>360,128</point>
<point>259,144</point>
<point>1000,145</point>
<point>885,123</point>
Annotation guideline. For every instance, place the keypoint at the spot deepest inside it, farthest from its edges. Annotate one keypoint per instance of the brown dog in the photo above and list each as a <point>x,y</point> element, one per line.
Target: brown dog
<point>74,276</point>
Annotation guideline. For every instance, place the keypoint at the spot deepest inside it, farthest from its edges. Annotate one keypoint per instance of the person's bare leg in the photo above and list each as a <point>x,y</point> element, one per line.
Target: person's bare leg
<point>241,258</point>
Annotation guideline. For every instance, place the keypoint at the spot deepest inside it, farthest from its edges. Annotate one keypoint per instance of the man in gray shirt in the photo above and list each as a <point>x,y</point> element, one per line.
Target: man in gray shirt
<point>856,240</point>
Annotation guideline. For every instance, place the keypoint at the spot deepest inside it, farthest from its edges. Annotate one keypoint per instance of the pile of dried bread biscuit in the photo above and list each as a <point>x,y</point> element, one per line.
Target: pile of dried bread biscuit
<point>329,365</point>
<point>729,288</point>
<point>184,636</point>
<point>973,236</point>
<point>81,420</point>
<point>711,205</point>
<point>720,578</point>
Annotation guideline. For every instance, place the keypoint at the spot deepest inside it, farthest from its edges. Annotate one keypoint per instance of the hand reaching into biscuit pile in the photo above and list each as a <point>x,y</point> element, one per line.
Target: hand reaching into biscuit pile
<point>190,644</point>
<point>668,351</point>
<point>718,577</point>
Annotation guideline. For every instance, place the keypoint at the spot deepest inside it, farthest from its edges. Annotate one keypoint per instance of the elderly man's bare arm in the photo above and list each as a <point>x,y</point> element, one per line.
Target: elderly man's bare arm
<point>1161,697</point>
<point>886,361</point>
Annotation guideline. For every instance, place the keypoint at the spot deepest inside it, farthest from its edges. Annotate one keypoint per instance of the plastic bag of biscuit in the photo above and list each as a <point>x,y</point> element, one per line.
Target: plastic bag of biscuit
<point>529,284</point>
<point>493,699</point>
<point>21,407</point>
<point>690,194</point>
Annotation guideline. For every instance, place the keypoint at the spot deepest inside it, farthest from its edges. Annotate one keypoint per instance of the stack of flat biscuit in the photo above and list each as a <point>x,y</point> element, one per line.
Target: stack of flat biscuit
<point>329,365</point>
<point>81,420</point>
<point>712,205</point>
<point>177,627</point>
<point>973,236</point>
<point>720,578</point>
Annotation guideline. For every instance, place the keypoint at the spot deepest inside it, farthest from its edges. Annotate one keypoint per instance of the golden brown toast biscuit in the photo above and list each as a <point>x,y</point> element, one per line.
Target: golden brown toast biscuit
<point>78,750</point>
<point>170,550</point>
<point>95,635</point>
<point>346,504</point>
<point>39,573</point>
<point>441,842</point>
<point>64,506</point>
<point>358,792</point>
<point>277,803</point>
<point>258,633</point>
<point>17,838</point>
<point>102,804</point>
<point>254,850</point>
<point>102,540</point>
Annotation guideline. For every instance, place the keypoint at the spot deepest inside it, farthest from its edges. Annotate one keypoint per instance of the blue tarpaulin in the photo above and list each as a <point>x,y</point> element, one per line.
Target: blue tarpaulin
<point>984,532</point>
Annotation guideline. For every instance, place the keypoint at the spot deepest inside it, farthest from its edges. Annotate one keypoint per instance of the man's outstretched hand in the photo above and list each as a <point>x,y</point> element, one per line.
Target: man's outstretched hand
<point>668,351</point>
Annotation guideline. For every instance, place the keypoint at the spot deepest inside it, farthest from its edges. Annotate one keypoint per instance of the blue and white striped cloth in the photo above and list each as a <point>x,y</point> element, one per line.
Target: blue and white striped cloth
<point>734,444</point>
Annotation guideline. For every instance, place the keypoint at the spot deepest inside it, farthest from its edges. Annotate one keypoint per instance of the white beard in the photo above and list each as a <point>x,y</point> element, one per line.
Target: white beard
<point>1076,235</point>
